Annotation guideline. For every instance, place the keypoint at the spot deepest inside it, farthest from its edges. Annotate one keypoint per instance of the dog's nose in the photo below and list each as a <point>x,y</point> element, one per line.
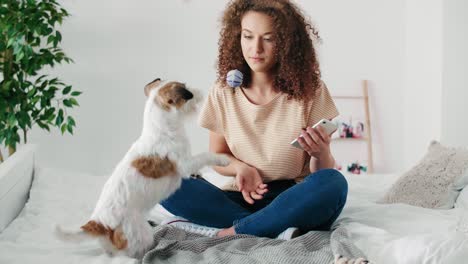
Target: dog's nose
<point>186,94</point>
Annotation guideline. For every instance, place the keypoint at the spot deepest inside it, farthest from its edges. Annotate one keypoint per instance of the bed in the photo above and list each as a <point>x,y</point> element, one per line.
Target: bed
<point>394,233</point>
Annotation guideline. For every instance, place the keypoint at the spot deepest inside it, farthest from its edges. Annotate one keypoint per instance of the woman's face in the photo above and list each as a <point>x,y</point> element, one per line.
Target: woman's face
<point>257,41</point>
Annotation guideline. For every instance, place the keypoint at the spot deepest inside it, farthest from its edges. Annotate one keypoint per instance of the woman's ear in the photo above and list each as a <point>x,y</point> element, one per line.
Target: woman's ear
<point>155,83</point>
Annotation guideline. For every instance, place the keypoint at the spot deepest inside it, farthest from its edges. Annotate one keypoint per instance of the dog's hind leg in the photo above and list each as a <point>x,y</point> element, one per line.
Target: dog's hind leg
<point>139,234</point>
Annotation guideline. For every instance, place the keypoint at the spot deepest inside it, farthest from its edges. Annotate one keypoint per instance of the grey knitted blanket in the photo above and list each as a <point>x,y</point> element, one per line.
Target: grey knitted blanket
<point>177,246</point>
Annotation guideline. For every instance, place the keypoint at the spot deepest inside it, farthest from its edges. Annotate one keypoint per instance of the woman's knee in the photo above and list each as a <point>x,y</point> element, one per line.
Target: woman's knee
<point>330,179</point>
<point>187,189</point>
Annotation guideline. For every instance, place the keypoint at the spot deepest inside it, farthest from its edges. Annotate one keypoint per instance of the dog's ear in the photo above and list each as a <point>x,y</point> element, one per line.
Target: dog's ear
<point>155,83</point>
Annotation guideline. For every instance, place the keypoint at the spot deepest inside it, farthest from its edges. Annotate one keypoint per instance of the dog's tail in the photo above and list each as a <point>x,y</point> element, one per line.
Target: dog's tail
<point>90,230</point>
<point>71,235</point>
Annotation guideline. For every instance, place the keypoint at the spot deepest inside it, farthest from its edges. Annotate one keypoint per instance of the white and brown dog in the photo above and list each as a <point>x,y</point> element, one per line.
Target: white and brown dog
<point>150,171</point>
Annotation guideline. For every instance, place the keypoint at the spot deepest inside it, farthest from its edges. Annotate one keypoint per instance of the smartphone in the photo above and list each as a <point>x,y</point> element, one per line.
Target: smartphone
<point>328,125</point>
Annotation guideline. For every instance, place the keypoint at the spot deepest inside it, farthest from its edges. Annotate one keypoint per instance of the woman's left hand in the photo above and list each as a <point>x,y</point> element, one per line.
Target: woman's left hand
<point>315,141</point>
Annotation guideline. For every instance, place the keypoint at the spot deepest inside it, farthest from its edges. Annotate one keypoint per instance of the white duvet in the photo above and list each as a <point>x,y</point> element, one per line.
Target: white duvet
<point>56,196</point>
<point>386,233</point>
<point>400,233</point>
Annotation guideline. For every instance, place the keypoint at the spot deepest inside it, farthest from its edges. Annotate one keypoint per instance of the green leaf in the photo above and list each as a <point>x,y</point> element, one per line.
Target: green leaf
<point>70,129</point>
<point>51,117</point>
<point>66,89</point>
<point>53,81</point>
<point>10,42</point>
<point>71,121</point>
<point>52,90</point>
<point>38,80</point>
<point>76,93</point>
<point>19,56</point>
<point>43,126</point>
<point>58,36</point>
<point>50,39</point>
<point>44,84</point>
<point>6,86</point>
<point>32,92</point>
<point>35,100</point>
<point>48,113</point>
<point>16,48</point>
<point>63,128</point>
<point>2,107</point>
<point>73,101</point>
<point>67,103</point>
<point>11,120</point>
<point>59,118</point>
<point>29,50</point>
<point>20,77</point>
<point>23,119</point>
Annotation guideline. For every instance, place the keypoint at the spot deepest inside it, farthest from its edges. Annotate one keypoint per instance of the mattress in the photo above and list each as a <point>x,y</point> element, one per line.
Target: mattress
<point>386,233</point>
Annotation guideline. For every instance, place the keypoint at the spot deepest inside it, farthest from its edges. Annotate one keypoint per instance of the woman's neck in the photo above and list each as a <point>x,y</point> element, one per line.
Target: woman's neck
<point>262,84</point>
<point>261,89</point>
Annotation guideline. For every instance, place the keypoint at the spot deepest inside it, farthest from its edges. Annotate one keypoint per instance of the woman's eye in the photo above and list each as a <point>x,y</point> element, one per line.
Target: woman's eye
<point>268,39</point>
<point>247,37</point>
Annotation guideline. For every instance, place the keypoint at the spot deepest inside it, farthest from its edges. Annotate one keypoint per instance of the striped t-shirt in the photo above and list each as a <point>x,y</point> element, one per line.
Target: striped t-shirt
<point>259,135</point>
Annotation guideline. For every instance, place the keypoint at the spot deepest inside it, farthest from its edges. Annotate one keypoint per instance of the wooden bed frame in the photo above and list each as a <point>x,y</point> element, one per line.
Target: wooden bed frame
<point>16,174</point>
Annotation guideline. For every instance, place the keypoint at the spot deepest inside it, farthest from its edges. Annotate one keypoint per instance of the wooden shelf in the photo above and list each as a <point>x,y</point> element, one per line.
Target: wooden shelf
<point>368,137</point>
<point>350,139</point>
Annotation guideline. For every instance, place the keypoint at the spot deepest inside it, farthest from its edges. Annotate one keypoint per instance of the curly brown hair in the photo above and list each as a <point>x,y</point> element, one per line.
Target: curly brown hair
<point>297,71</point>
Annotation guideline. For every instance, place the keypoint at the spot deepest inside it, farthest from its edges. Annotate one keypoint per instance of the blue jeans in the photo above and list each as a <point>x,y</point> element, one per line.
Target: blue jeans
<point>313,204</point>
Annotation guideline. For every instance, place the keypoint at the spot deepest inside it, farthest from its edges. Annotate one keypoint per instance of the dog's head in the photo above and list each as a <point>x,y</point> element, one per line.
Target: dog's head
<point>171,97</point>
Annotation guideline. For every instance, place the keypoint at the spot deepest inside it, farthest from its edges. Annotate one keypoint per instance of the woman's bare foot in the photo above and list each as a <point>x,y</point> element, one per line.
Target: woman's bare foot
<point>226,232</point>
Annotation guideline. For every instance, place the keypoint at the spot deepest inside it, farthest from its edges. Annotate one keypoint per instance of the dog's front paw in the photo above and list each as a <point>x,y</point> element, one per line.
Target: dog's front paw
<point>196,175</point>
<point>222,160</point>
<point>343,260</point>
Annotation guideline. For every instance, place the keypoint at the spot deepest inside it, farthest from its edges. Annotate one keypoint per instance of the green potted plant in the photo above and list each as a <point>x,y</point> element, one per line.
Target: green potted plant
<point>29,44</point>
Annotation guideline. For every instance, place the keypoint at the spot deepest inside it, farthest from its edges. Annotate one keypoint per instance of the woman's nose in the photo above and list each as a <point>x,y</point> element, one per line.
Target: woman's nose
<point>258,45</point>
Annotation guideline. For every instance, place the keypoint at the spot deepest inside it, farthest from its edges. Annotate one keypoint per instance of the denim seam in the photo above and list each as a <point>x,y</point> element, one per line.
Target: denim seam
<point>240,223</point>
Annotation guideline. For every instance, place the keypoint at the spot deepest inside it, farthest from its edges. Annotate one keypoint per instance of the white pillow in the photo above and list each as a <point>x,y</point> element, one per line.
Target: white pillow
<point>434,182</point>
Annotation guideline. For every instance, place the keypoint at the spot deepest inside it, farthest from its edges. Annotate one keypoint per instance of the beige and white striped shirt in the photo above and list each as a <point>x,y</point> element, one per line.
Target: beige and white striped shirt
<point>259,135</point>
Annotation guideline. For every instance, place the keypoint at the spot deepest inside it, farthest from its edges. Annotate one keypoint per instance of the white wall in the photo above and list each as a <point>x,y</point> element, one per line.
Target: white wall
<point>455,75</point>
<point>364,39</point>
<point>422,102</point>
<point>119,46</point>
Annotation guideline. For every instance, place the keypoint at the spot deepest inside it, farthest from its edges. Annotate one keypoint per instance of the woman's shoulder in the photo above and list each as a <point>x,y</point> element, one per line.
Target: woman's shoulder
<point>220,89</point>
<point>315,94</point>
<point>321,88</point>
<point>218,85</point>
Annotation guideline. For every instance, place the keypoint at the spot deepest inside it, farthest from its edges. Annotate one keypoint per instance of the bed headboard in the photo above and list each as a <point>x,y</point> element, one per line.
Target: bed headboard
<point>16,174</point>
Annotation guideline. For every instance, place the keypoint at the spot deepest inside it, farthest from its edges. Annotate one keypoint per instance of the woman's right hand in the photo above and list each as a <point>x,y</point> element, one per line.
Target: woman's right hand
<point>250,183</point>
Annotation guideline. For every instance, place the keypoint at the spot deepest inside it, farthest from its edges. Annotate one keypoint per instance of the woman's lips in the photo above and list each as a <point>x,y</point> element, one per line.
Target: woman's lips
<point>257,59</point>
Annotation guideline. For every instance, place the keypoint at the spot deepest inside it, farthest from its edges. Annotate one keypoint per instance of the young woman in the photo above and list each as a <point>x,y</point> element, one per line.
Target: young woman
<point>275,186</point>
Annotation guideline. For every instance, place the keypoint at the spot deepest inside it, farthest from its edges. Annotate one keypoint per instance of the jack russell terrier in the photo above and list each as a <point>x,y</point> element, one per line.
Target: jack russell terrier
<point>150,172</point>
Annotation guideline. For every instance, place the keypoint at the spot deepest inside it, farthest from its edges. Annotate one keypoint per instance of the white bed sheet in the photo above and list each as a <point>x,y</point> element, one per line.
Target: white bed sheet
<point>400,233</point>
<point>386,233</point>
<point>56,196</point>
